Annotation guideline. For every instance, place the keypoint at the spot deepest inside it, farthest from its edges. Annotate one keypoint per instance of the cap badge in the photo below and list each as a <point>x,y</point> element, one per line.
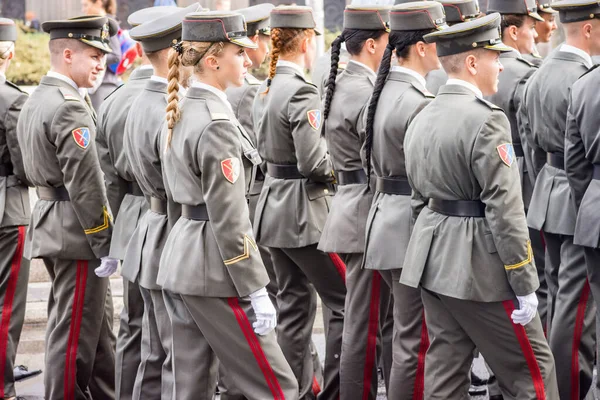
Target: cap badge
<point>105,33</point>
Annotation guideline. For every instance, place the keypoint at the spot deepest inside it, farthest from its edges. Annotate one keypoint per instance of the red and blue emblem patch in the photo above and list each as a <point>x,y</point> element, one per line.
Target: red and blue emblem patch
<point>82,137</point>
<point>314,119</point>
<point>507,153</point>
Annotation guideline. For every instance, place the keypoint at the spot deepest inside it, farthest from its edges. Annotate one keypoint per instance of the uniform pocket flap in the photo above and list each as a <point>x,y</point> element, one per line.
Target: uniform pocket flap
<point>316,190</point>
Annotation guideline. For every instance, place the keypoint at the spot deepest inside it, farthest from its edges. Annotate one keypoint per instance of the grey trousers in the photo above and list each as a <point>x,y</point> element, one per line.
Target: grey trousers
<point>14,276</point>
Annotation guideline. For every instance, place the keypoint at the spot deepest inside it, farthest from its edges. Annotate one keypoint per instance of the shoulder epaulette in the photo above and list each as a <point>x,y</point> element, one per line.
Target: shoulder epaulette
<point>424,92</point>
<point>526,62</point>
<point>68,95</point>
<point>113,92</point>
<point>490,104</point>
<point>589,70</point>
<point>251,80</point>
<point>9,83</point>
<point>217,111</point>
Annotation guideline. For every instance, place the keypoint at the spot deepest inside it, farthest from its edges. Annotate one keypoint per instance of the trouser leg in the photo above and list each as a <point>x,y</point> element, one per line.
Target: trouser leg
<point>193,362</point>
<point>255,362</point>
<point>102,384</point>
<point>538,246</point>
<point>327,273</point>
<point>78,299</point>
<point>149,376</point>
<point>573,329</point>
<point>14,276</point>
<point>165,334</point>
<point>361,342</point>
<point>129,341</point>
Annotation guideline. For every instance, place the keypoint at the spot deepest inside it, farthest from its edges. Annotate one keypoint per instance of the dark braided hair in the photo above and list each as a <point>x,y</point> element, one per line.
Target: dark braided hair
<point>401,41</point>
<point>355,40</point>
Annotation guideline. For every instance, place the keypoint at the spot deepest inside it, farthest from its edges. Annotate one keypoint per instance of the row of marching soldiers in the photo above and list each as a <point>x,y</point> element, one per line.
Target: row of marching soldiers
<point>221,189</point>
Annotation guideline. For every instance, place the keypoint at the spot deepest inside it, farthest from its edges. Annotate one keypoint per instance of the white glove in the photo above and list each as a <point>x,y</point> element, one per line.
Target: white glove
<point>108,266</point>
<point>527,309</point>
<point>266,315</point>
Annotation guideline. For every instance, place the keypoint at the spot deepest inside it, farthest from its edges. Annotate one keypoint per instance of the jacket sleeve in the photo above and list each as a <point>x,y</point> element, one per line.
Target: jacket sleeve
<point>116,187</point>
<point>10,122</point>
<point>82,175</point>
<point>578,168</point>
<point>311,149</point>
<point>533,152</point>
<point>498,177</point>
<point>224,188</point>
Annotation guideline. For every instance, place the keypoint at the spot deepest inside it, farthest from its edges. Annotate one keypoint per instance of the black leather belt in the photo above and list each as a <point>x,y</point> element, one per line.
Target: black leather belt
<point>393,185</point>
<point>596,172</point>
<point>518,150</point>
<point>458,208</point>
<point>158,206</point>
<point>556,160</point>
<point>6,169</point>
<point>53,193</point>
<point>354,177</point>
<point>283,171</point>
<point>134,189</point>
<point>197,213</point>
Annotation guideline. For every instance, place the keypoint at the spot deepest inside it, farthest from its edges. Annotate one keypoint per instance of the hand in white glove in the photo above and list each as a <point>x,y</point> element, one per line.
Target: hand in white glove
<point>108,266</point>
<point>527,309</point>
<point>266,315</point>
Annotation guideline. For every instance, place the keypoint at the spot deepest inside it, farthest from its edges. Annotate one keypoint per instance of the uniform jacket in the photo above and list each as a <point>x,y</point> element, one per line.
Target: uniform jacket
<point>389,221</point>
<point>582,152</point>
<point>14,193</point>
<point>291,213</point>
<point>322,67</point>
<point>56,132</point>
<point>546,101</point>
<point>141,144</point>
<point>534,59</point>
<point>208,162</point>
<point>126,209</point>
<point>509,97</point>
<point>344,231</point>
<point>452,153</point>
<point>435,80</point>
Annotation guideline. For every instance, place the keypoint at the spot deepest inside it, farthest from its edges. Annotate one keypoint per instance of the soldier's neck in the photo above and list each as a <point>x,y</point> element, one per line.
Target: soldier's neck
<point>578,41</point>
<point>414,64</point>
<point>366,59</point>
<point>161,68</point>
<point>295,58</point>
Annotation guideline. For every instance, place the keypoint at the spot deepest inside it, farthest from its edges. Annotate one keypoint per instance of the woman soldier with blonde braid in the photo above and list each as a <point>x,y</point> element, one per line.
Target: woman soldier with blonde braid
<point>293,204</point>
<point>365,35</point>
<point>210,269</point>
<point>399,95</point>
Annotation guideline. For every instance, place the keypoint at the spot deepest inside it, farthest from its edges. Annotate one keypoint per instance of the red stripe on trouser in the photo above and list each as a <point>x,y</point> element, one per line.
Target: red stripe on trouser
<point>373,328</point>
<point>259,355</point>
<point>9,296</point>
<point>534,368</point>
<point>339,265</point>
<point>579,319</point>
<point>74,330</point>
<point>419,391</point>
<point>316,388</point>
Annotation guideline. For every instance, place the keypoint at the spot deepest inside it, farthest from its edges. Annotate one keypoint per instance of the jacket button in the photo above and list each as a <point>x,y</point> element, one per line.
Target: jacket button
<point>326,191</point>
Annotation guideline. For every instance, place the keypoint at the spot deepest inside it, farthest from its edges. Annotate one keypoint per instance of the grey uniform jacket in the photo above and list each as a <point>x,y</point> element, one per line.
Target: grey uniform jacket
<point>291,213</point>
<point>582,153</point>
<point>14,193</point>
<point>126,209</point>
<point>534,59</point>
<point>389,222</point>
<point>546,101</point>
<point>509,97</point>
<point>56,132</point>
<point>322,67</point>
<point>142,147</point>
<point>452,153</point>
<point>344,231</point>
<point>435,80</point>
<point>209,161</point>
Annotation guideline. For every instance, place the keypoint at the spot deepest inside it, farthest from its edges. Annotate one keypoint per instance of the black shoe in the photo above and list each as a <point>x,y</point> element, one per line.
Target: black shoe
<point>478,385</point>
<point>496,397</point>
<point>21,373</point>
<point>477,381</point>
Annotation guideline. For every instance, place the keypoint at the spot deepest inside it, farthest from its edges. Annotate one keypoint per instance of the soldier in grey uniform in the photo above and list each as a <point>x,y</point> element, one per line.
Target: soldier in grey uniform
<point>71,225</point>
<point>293,205</point>
<point>14,216</point>
<point>544,30</point>
<point>140,143</point>
<point>518,19</point>
<point>457,11</point>
<point>582,166</point>
<point>321,68</point>
<point>399,95</point>
<point>570,315</point>
<point>210,267</point>
<point>469,250</point>
<point>366,36</point>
